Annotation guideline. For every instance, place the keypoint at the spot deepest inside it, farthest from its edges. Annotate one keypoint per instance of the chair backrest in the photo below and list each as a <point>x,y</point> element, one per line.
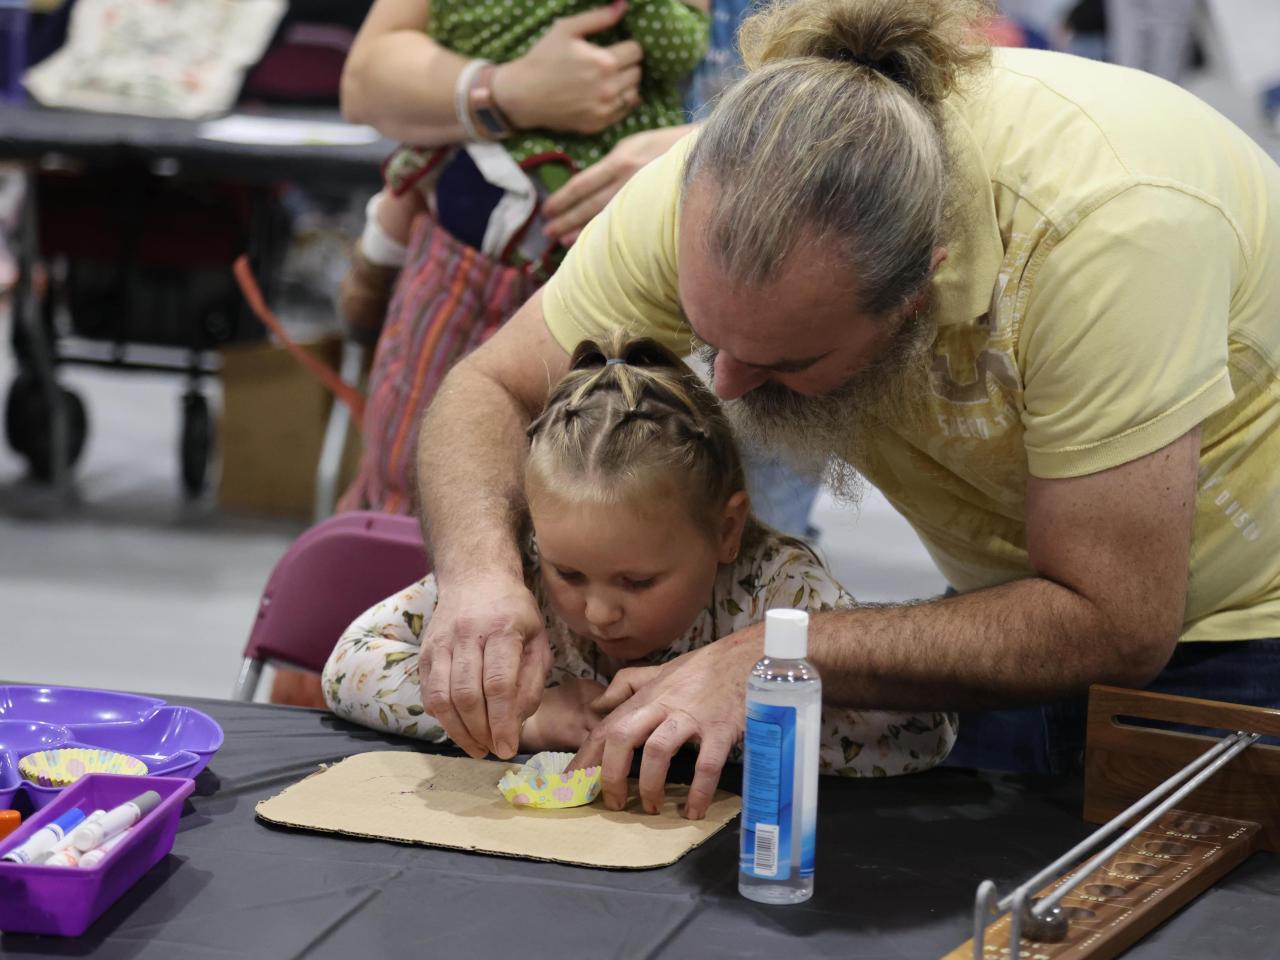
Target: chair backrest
<point>333,573</point>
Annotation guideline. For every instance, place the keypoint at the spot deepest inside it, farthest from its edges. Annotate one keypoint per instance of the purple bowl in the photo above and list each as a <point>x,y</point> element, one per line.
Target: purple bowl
<point>172,741</point>
<point>63,901</point>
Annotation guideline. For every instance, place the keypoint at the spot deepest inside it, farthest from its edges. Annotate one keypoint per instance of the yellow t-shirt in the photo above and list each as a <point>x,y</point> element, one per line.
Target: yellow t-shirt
<point>1113,280</point>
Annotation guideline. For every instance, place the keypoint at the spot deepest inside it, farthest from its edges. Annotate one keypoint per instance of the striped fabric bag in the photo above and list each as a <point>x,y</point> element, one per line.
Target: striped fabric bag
<point>449,299</point>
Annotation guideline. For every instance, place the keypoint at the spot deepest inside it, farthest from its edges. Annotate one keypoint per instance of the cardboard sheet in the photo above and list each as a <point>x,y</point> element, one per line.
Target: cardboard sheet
<point>454,802</point>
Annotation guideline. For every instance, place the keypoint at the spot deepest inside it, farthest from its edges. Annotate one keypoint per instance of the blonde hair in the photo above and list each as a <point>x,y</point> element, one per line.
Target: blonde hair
<point>835,135</point>
<point>629,419</point>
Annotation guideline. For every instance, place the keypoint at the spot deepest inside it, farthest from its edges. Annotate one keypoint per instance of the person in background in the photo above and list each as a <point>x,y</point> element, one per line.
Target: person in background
<point>481,182</point>
<point>642,548</point>
<point>667,40</point>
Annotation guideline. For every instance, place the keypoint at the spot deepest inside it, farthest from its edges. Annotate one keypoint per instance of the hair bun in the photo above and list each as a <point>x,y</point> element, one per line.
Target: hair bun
<point>922,45</point>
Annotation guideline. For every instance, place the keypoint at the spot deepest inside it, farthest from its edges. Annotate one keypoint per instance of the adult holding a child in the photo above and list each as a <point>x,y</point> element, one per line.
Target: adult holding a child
<point>499,106</point>
<point>1034,299</point>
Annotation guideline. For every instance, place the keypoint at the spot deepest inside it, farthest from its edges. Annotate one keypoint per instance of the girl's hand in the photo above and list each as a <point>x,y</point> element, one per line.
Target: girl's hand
<point>699,697</point>
<point>564,718</point>
<point>566,82</point>
<point>587,192</point>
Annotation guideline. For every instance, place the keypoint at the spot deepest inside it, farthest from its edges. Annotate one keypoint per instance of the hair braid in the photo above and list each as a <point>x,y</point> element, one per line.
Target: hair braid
<point>611,429</point>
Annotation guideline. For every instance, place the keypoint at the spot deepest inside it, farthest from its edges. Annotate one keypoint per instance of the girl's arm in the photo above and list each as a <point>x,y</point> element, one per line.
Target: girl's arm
<point>400,81</point>
<point>371,678</point>
<point>673,33</point>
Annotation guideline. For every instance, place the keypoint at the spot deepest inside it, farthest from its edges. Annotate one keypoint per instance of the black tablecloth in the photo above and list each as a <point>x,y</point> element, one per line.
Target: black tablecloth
<point>30,131</point>
<point>897,864</point>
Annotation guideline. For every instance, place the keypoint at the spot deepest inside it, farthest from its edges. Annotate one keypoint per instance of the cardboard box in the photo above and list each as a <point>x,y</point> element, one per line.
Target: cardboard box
<point>274,415</point>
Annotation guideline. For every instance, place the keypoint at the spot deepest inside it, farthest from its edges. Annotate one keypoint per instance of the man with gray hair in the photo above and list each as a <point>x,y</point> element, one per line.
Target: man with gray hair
<point>1019,293</point>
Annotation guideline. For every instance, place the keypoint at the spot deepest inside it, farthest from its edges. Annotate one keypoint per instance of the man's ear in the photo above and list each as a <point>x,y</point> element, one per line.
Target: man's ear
<point>917,301</point>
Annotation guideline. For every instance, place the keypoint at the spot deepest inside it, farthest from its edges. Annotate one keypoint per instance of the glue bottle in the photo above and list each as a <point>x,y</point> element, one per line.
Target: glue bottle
<point>780,765</point>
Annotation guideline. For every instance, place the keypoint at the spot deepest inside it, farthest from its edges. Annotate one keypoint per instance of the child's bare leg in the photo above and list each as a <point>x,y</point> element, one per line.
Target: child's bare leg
<point>365,292</point>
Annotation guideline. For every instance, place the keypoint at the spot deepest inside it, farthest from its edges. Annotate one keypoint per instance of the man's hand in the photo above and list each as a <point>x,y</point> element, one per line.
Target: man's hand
<point>699,697</point>
<point>487,665</point>
<point>588,192</point>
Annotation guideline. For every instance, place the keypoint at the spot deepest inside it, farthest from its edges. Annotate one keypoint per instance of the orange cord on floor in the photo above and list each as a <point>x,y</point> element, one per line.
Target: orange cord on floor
<point>348,394</point>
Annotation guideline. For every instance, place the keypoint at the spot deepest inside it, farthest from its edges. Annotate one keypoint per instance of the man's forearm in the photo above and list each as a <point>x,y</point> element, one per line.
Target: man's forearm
<point>470,458</point>
<point>1027,641</point>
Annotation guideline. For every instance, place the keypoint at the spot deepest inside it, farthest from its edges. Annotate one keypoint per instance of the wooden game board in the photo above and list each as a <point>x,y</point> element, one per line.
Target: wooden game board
<point>1162,869</point>
<point>1181,854</point>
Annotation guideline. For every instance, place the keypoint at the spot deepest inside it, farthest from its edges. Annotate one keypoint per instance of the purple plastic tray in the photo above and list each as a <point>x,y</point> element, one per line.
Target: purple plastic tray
<point>64,900</point>
<point>171,741</point>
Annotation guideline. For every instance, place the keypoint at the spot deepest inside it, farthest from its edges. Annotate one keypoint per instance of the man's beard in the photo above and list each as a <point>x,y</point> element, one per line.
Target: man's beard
<point>825,437</point>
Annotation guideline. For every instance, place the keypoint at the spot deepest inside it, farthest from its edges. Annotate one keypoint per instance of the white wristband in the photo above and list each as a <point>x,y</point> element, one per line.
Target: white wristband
<point>462,97</point>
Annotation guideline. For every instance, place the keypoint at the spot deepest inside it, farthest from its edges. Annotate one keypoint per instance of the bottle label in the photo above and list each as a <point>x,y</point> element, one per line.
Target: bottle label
<point>768,779</point>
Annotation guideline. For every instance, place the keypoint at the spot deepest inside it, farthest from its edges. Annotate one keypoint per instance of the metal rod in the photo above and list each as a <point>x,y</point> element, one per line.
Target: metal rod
<point>1050,901</point>
<point>1073,855</point>
<point>1015,922</point>
<point>329,466</point>
<point>126,364</point>
<point>983,908</point>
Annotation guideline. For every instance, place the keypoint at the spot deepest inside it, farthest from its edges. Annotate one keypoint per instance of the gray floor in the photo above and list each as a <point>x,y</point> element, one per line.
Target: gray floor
<point>130,587</point>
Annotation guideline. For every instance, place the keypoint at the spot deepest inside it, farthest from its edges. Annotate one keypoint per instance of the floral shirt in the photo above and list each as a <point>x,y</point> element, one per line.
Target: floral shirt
<point>372,675</point>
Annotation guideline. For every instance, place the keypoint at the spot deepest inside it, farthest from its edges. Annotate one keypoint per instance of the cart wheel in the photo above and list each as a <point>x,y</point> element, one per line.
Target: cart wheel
<point>19,412</point>
<point>28,425</point>
<point>197,441</point>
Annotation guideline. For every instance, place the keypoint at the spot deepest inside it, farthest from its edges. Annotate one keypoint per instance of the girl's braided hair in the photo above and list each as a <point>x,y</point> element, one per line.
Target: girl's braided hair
<point>630,419</point>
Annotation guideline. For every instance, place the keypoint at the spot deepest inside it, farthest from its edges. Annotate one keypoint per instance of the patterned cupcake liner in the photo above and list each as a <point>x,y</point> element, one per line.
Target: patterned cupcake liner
<point>543,784</point>
<point>61,768</point>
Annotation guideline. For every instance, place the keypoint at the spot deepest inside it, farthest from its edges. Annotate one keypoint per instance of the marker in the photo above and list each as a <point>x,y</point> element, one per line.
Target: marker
<point>43,840</point>
<point>92,835</point>
<point>94,856</point>
<point>65,843</point>
<point>10,820</point>
<point>66,857</point>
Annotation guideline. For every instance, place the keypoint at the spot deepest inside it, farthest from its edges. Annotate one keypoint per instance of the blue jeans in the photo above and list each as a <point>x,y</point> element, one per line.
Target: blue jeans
<point>780,496</point>
<point>1050,738</point>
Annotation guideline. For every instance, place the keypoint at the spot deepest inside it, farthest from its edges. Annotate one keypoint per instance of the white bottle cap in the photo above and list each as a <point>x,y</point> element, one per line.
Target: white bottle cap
<point>786,634</point>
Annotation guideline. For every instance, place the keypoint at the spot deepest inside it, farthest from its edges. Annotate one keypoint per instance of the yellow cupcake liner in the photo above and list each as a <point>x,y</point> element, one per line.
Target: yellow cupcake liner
<point>543,785</point>
<point>61,768</point>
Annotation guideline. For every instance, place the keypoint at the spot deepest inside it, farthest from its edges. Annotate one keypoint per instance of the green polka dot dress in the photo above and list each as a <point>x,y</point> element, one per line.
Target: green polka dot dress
<point>674,37</point>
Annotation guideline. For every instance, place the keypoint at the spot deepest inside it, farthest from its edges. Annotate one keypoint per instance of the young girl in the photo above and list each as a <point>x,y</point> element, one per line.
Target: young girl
<point>643,548</point>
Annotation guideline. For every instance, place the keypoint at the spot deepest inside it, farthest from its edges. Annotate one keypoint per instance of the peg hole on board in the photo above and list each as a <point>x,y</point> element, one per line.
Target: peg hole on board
<point>1170,848</point>
<point>1105,890</point>
<point>1137,868</point>
<point>1201,828</point>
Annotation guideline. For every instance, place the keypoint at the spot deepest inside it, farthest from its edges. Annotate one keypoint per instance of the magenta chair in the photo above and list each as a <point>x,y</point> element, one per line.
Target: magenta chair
<point>333,573</point>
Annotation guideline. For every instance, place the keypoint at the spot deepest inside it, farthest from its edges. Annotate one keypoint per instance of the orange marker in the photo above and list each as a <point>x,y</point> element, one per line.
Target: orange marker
<point>10,820</point>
